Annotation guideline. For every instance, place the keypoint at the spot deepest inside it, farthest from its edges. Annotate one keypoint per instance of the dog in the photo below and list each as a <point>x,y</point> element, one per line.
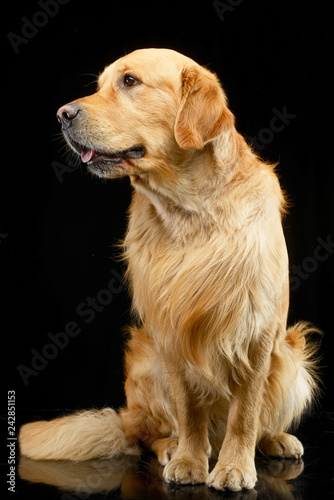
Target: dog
<point>211,368</point>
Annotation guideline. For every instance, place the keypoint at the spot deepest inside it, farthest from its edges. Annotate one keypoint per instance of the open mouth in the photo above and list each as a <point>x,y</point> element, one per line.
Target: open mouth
<point>90,156</point>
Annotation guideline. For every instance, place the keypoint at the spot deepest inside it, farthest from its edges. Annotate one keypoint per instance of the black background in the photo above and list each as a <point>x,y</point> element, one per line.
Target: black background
<point>57,237</point>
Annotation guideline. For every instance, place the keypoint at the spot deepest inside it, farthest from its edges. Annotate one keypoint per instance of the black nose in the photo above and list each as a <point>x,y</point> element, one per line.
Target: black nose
<point>67,113</point>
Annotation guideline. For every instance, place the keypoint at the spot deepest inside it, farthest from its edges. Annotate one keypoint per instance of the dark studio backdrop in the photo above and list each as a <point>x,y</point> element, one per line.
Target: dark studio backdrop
<point>64,306</point>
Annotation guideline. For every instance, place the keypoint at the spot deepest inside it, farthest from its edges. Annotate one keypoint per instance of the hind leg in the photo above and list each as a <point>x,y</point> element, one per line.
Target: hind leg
<point>281,446</point>
<point>290,389</point>
<point>150,416</point>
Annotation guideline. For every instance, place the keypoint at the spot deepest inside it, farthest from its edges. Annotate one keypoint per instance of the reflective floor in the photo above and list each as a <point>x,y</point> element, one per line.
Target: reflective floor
<point>312,478</point>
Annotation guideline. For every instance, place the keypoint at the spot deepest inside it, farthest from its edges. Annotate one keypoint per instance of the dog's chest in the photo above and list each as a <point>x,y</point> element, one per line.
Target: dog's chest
<point>190,288</point>
<point>155,260</point>
<point>176,271</point>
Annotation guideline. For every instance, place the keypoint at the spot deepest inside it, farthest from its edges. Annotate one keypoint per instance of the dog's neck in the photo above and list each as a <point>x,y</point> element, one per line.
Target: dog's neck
<point>197,176</point>
<point>202,177</point>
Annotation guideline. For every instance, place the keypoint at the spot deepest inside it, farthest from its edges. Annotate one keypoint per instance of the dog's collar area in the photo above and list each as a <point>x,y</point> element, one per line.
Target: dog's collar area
<point>89,155</point>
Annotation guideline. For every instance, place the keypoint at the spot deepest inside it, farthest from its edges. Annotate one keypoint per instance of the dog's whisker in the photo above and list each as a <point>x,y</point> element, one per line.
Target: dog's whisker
<point>93,82</point>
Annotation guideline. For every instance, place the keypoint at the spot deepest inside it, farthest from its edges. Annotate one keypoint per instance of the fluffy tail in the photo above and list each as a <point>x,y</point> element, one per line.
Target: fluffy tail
<point>293,383</point>
<point>301,338</point>
<point>306,388</point>
<point>81,436</point>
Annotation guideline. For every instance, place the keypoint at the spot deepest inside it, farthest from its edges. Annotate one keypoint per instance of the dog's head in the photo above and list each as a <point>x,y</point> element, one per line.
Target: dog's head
<point>151,108</point>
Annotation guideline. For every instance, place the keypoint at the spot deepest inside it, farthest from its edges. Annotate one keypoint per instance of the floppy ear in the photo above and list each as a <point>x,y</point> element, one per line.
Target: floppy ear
<point>203,113</point>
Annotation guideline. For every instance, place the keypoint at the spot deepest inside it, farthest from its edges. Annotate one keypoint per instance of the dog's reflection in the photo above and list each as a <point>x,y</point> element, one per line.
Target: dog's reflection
<point>142,479</point>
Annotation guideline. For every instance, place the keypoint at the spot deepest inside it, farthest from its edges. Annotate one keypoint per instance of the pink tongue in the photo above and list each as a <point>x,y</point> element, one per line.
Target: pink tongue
<point>87,154</point>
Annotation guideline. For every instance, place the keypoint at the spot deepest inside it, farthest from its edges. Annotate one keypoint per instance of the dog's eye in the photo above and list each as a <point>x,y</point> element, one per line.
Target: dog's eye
<point>130,81</point>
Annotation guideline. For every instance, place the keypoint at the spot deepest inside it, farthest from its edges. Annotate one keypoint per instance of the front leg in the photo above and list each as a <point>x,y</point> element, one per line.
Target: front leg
<point>235,469</point>
<point>190,462</point>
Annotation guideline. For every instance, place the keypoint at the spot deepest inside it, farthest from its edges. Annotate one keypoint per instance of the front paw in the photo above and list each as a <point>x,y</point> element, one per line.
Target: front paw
<point>232,477</point>
<point>186,471</point>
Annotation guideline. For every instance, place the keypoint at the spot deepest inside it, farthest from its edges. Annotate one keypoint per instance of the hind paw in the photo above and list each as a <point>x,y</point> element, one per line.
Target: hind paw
<point>282,445</point>
<point>165,449</point>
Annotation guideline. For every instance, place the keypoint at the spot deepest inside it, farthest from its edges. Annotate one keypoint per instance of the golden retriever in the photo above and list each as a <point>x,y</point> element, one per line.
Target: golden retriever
<point>211,368</point>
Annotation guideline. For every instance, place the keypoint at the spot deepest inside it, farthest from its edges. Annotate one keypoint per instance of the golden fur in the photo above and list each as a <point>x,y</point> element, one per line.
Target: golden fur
<point>211,368</point>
